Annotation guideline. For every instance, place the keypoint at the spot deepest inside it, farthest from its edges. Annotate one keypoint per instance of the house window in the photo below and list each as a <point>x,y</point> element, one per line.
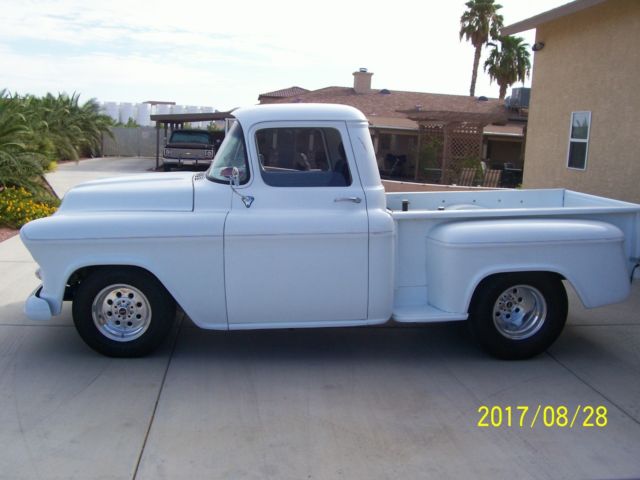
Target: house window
<point>579,140</point>
<point>385,141</point>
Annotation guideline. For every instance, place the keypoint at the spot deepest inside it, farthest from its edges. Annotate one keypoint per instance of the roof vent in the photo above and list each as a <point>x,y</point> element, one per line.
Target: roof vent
<point>363,70</point>
<point>482,98</point>
<point>385,91</point>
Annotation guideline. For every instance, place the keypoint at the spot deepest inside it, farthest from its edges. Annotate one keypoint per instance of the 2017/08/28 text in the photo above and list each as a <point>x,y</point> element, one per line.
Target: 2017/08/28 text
<point>560,416</point>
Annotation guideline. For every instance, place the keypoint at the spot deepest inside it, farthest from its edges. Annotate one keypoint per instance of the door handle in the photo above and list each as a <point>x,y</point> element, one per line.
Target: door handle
<point>348,199</point>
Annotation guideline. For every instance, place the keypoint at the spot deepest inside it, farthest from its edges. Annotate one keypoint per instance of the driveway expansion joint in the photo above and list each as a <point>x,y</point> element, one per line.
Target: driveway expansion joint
<point>155,406</point>
<point>568,369</point>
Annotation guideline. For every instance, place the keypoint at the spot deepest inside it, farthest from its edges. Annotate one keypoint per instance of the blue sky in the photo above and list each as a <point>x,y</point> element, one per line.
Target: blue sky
<point>223,54</point>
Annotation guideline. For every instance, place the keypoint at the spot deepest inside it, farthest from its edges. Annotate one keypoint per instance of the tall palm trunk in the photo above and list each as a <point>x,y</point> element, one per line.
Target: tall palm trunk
<point>474,73</point>
<point>503,91</point>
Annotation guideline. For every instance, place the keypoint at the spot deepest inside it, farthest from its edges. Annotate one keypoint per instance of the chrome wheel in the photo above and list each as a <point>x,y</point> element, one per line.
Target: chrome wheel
<point>121,312</point>
<point>519,312</point>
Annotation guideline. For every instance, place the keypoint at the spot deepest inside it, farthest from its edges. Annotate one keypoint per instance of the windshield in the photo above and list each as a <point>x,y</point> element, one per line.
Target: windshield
<point>190,137</point>
<point>232,153</point>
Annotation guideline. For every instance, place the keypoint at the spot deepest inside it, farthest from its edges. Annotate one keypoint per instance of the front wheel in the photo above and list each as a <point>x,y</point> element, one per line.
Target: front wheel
<point>518,315</point>
<point>122,312</point>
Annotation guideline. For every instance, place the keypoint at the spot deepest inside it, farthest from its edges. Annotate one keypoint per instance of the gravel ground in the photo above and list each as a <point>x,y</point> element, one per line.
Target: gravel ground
<point>6,232</point>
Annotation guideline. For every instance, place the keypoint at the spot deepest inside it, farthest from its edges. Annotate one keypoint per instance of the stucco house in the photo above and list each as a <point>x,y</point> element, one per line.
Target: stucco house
<point>402,123</point>
<point>583,128</point>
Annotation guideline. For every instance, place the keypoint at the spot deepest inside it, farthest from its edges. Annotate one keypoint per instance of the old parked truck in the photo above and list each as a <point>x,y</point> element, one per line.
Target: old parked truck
<point>291,227</point>
<point>190,148</point>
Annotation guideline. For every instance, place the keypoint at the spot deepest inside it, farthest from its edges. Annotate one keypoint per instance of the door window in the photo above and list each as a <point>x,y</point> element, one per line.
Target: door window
<point>302,157</point>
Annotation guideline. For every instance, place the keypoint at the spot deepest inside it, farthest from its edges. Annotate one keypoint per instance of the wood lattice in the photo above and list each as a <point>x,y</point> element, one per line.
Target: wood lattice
<point>457,141</point>
<point>465,141</point>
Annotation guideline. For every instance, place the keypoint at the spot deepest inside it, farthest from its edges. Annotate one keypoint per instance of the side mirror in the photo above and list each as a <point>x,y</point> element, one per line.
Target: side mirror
<point>233,174</point>
<point>235,177</point>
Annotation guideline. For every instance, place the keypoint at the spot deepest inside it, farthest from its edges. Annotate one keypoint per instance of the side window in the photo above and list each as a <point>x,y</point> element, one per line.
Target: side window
<point>302,157</point>
<point>232,153</point>
<point>579,140</point>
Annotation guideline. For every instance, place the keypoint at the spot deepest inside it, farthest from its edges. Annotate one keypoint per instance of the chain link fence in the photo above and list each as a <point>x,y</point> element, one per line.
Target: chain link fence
<point>131,142</point>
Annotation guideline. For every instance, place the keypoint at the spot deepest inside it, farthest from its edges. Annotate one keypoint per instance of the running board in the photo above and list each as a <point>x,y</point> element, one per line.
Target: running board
<point>424,314</point>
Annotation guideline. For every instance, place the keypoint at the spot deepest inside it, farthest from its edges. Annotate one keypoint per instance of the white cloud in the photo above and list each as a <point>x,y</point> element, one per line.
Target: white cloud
<point>225,53</point>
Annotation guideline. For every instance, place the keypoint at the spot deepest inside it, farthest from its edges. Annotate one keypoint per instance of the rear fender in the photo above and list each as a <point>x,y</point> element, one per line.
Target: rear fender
<point>589,254</point>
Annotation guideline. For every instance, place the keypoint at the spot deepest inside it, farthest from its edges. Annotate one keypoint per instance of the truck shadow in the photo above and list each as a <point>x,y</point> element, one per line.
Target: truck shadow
<point>330,344</point>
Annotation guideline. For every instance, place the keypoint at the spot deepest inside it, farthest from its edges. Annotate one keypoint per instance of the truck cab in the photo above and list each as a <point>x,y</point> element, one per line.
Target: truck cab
<point>317,231</point>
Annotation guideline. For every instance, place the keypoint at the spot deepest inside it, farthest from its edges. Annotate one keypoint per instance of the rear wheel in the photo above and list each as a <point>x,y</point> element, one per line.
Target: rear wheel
<point>122,312</point>
<point>518,315</point>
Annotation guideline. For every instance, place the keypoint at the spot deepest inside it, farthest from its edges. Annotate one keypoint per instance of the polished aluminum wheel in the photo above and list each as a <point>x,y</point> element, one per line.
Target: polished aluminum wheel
<point>519,312</point>
<point>121,312</point>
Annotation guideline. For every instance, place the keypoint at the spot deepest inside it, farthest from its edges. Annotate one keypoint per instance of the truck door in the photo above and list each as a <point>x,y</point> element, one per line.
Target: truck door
<point>298,255</point>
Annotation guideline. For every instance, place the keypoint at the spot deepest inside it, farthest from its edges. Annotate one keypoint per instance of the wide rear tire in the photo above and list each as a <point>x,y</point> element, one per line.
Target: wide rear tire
<point>122,312</point>
<point>518,315</point>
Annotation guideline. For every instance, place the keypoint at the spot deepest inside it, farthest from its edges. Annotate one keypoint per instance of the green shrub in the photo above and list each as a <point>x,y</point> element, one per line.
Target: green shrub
<point>18,206</point>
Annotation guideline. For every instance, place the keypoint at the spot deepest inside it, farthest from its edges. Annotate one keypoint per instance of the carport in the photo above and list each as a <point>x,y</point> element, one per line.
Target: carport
<point>173,121</point>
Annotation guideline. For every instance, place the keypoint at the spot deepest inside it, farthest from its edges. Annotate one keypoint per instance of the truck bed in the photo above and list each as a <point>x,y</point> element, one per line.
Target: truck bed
<point>427,210</point>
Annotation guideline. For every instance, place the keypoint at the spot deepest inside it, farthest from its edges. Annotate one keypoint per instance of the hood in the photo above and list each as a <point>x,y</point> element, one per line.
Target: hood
<point>149,192</point>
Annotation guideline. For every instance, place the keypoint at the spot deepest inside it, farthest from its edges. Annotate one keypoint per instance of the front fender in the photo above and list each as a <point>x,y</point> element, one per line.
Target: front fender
<point>183,250</point>
<point>589,254</point>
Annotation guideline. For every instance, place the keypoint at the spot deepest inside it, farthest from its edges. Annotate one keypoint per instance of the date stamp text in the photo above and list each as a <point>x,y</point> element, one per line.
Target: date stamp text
<point>545,416</point>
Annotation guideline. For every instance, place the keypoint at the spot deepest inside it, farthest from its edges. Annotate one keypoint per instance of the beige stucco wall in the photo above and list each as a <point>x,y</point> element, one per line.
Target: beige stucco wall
<point>591,61</point>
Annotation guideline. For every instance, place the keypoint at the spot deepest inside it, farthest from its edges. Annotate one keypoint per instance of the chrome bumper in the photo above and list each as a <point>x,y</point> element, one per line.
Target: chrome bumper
<point>187,161</point>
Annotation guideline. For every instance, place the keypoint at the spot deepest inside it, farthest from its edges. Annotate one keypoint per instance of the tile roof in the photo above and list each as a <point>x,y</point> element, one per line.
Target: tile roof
<point>285,92</point>
<point>391,108</point>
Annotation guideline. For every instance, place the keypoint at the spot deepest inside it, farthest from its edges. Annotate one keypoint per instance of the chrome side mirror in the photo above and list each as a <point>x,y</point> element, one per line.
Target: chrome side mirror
<point>233,174</point>
<point>235,177</point>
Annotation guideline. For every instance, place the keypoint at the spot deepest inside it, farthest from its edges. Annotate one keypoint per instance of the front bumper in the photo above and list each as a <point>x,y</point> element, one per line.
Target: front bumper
<point>37,308</point>
<point>179,162</point>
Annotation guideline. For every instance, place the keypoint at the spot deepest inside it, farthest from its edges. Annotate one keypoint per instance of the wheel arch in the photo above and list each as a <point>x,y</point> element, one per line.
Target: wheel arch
<point>481,281</point>
<point>74,278</point>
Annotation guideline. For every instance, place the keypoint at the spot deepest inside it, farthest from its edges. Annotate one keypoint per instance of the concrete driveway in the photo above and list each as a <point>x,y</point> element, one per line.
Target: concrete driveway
<point>361,403</point>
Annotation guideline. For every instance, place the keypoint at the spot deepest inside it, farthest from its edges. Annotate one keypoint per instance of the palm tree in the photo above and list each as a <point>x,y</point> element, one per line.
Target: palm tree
<point>66,128</point>
<point>477,24</point>
<point>508,62</point>
<point>19,167</point>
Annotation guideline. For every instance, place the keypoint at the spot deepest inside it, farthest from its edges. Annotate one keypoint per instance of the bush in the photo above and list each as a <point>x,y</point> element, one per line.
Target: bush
<point>18,206</point>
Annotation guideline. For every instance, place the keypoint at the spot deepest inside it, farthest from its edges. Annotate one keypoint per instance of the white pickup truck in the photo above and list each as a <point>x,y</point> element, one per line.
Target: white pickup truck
<point>291,227</point>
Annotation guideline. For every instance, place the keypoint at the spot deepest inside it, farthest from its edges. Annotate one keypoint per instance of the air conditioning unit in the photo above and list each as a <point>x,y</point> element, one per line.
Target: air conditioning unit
<point>519,98</point>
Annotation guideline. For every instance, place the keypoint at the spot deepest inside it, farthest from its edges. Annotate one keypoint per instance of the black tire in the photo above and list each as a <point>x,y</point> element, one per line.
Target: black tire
<point>518,315</point>
<point>131,298</point>
<point>166,167</point>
